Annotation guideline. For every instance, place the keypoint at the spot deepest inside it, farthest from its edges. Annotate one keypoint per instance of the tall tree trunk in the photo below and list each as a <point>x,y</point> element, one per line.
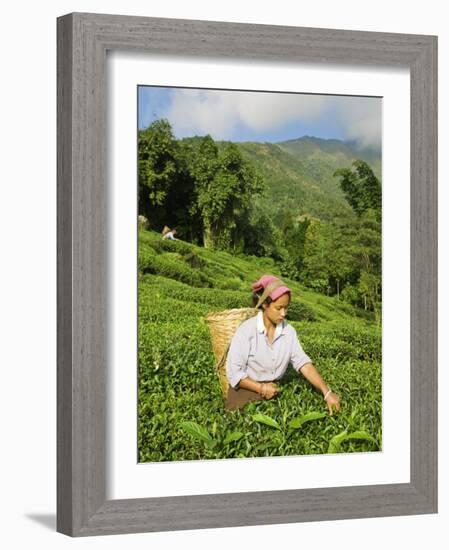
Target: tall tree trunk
<point>210,236</point>
<point>207,237</point>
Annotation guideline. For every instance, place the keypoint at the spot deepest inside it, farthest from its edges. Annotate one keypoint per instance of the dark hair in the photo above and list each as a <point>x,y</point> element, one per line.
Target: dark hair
<point>256,298</point>
<point>267,300</point>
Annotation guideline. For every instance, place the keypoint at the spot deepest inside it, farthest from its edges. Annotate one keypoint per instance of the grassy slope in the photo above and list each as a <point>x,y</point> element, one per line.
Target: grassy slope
<point>179,283</point>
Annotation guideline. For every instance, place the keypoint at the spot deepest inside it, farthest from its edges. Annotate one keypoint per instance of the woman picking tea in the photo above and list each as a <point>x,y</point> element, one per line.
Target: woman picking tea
<point>263,347</point>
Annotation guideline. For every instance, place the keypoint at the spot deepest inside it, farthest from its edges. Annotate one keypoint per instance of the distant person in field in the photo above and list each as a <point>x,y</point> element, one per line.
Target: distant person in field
<point>263,347</point>
<point>168,233</point>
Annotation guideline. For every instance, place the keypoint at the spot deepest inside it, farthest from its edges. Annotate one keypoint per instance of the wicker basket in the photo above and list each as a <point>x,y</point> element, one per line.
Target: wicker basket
<point>222,325</point>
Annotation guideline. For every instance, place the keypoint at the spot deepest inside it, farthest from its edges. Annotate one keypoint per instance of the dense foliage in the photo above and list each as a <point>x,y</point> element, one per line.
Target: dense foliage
<point>181,408</point>
<point>310,205</point>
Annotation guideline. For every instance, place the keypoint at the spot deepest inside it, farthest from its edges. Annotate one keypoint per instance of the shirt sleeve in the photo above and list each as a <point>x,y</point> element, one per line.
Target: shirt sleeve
<point>236,364</point>
<point>298,357</point>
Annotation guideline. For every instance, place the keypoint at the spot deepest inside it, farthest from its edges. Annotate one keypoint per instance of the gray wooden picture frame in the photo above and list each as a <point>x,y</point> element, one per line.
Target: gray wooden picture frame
<point>82,307</point>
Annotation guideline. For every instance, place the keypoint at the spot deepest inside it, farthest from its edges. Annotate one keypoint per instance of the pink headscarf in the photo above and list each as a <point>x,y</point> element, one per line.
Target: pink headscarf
<point>264,281</point>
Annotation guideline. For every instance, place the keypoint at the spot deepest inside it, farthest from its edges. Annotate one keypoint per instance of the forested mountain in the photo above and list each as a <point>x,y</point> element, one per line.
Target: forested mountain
<point>299,174</point>
<point>333,153</point>
<point>312,205</point>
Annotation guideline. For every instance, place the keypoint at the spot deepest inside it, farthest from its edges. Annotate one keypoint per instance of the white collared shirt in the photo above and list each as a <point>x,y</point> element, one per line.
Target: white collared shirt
<point>252,356</point>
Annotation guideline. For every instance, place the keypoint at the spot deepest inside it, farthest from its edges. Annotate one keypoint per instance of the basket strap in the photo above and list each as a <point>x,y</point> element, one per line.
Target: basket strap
<point>223,358</point>
<point>268,290</point>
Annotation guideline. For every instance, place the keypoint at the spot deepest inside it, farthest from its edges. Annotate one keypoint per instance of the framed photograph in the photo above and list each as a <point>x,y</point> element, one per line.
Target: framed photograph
<point>307,140</point>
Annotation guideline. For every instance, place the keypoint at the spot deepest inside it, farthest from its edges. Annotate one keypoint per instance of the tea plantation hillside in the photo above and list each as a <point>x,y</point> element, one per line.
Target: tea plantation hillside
<point>181,412</point>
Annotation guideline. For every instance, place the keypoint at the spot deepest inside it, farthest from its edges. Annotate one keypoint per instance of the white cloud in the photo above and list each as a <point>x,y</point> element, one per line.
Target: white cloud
<point>219,113</point>
<point>202,112</point>
<point>361,120</point>
<point>267,111</point>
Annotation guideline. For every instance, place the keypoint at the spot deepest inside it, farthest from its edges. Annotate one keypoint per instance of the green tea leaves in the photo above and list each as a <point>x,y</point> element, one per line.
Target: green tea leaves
<point>198,432</point>
<point>299,421</point>
<point>336,442</point>
<point>181,411</point>
<point>267,420</point>
<point>201,434</point>
<point>232,436</point>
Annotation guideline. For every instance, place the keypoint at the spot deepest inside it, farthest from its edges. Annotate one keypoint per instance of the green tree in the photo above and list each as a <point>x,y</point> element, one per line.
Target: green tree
<point>316,266</point>
<point>343,258</point>
<point>224,187</point>
<point>361,187</point>
<point>262,237</point>
<point>295,236</point>
<point>181,197</point>
<point>158,169</point>
<point>370,261</point>
<point>294,231</point>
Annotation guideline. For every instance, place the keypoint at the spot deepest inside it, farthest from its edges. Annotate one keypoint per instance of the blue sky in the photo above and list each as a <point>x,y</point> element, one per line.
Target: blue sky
<point>262,116</point>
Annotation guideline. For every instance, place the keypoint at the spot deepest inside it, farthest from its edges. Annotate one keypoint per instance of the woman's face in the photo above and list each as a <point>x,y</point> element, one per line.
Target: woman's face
<point>277,310</point>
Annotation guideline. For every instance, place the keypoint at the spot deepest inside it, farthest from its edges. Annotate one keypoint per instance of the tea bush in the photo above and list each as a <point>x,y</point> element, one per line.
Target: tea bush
<point>173,269</point>
<point>299,311</point>
<point>180,405</point>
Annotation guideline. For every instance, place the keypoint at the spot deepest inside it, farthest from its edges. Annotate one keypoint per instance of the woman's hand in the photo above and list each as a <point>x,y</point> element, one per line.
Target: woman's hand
<point>269,390</point>
<point>332,401</point>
